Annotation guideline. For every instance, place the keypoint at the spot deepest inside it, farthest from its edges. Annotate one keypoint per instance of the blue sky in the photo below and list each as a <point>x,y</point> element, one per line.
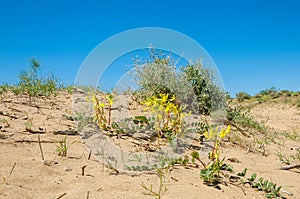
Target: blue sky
<point>255,44</point>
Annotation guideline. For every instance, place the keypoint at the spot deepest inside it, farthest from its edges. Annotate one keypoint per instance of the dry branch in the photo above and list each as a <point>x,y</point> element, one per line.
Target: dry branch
<point>82,169</point>
<point>34,131</point>
<point>66,132</point>
<point>39,140</point>
<point>12,169</point>
<point>60,196</point>
<point>290,167</point>
<point>227,122</point>
<point>90,153</point>
<point>34,141</point>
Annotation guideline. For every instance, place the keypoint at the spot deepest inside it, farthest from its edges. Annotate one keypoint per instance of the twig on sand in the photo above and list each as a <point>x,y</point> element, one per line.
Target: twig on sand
<point>66,132</point>
<point>39,140</point>
<point>90,153</point>
<point>60,196</point>
<point>82,169</point>
<point>88,195</point>
<point>290,167</point>
<point>288,193</point>
<point>34,131</point>
<point>34,141</point>
<point>12,169</point>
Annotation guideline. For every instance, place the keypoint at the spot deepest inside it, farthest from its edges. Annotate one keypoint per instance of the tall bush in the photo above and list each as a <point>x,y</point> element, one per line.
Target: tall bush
<point>192,84</point>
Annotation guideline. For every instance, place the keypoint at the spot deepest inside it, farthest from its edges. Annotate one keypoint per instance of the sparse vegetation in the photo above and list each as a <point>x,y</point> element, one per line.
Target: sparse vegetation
<point>270,189</point>
<point>244,119</point>
<point>162,188</point>
<point>62,148</point>
<point>241,96</point>
<point>168,121</point>
<point>33,85</point>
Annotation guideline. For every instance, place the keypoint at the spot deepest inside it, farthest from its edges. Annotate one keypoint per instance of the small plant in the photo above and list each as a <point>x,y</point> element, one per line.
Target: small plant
<point>211,172</point>
<point>81,118</point>
<point>288,159</point>
<point>33,85</point>
<point>283,158</point>
<point>243,173</point>
<point>100,115</point>
<point>5,122</point>
<point>169,117</point>
<point>161,185</point>
<point>298,103</point>
<point>69,89</point>
<point>271,189</point>
<point>28,124</point>
<point>293,135</point>
<point>62,148</point>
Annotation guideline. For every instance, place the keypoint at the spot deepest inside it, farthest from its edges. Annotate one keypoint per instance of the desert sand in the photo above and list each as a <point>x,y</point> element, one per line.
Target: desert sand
<point>24,174</point>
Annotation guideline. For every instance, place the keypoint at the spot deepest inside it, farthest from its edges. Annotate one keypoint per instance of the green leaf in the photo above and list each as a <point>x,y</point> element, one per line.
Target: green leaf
<point>243,173</point>
<point>253,177</point>
<point>195,155</point>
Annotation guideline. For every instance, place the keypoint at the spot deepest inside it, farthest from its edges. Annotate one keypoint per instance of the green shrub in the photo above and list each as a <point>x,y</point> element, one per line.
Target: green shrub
<point>241,96</point>
<point>193,85</point>
<point>4,88</point>
<point>155,76</point>
<point>209,96</point>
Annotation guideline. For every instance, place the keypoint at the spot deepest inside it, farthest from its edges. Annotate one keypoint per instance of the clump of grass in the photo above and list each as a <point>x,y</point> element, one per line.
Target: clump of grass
<point>292,135</point>
<point>288,159</point>
<point>62,148</point>
<point>298,103</point>
<point>241,96</point>
<point>4,88</point>
<point>33,85</point>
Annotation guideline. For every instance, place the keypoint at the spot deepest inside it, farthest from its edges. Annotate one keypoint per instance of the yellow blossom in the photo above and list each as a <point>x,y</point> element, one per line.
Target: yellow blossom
<point>223,133</point>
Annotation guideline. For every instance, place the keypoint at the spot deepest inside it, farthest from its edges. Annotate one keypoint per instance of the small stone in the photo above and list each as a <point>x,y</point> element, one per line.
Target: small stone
<point>234,160</point>
<point>67,169</point>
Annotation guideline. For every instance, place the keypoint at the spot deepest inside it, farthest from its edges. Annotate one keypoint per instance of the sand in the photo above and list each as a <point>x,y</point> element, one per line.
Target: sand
<point>25,175</point>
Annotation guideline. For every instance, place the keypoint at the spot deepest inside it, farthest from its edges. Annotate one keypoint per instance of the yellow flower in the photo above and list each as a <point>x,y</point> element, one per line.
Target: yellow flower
<point>168,107</point>
<point>101,105</point>
<point>164,97</point>
<point>223,133</point>
<point>209,135</point>
<point>173,98</point>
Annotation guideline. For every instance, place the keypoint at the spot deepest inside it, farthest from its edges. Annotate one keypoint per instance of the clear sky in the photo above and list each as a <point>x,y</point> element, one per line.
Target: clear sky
<point>255,44</point>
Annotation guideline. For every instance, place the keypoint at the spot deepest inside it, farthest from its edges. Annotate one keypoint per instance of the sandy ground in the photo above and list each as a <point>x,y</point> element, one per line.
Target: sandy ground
<point>25,175</point>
